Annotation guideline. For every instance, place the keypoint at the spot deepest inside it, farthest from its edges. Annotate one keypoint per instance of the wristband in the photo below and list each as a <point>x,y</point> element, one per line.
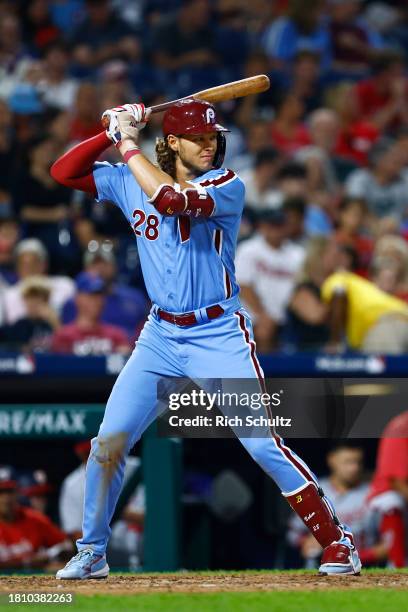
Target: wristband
<point>130,153</point>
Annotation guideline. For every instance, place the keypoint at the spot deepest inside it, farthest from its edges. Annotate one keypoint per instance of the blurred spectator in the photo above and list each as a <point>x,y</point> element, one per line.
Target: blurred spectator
<point>357,134</point>
<point>307,315</point>
<point>392,274</point>
<point>43,207</point>
<point>14,56</point>
<point>28,539</point>
<point>32,331</point>
<point>347,490</point>
<point>116,86</point>
<point>102,36</point>
<point>373,321</point>
<point>318,155</point>
<point>58,88</point>
<point>382,98</point>
<point>7,155</point>
<point>304,79</point>
<point>232,36</point>
<point>383,185</point>
<point>302,28</point>
<point>266,266</point>
<point>185,45</point>
<point>353,41</point>
<point>260,180</point>
<point>9,234</point>
<point>38,27</point>
<point>31,259</point>
<point>34,490</point>
<point>258,106</point>
<point>257,138</point>
<point>125,307</point>
<point>388,495</point>
<point>292,180</point>
<point>295,209</point>
<point>67,14</point>
<point>87,335</point>
<point>288,132</point>
<point>86,121</point>
<point>386,275</point>
<point>352,230</point>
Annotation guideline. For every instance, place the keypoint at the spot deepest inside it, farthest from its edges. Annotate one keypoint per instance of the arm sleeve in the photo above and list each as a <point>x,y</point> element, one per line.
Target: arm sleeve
<point>74,168</point>
<point>228,192</point>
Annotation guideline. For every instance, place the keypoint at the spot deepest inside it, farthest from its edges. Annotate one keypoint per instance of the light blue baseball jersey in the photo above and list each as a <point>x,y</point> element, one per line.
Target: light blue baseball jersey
<point>187,263</point>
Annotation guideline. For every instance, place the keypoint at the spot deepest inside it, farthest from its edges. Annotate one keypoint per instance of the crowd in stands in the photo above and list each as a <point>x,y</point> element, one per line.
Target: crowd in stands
<point>323,252</point>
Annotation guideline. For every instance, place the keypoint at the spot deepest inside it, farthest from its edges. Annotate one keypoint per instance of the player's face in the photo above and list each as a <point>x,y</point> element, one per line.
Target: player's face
<point>196,151</point>
<point>347,465</point>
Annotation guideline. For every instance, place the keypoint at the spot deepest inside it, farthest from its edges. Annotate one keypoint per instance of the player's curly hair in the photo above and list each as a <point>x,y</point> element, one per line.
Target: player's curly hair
<point>166,157</point>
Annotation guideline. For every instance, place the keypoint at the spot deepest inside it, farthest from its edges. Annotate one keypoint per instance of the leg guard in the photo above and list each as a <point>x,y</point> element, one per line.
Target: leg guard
<point>316,513</point>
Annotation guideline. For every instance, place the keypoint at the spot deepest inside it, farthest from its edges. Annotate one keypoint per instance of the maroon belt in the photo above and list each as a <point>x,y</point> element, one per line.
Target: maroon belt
<point>189,318</point>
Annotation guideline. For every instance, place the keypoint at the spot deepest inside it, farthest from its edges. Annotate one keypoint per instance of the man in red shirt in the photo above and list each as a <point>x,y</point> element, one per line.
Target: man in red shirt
<point>389,488</point>
<point>28,539</point>
<point>87,335</point>
<point>382,99</point>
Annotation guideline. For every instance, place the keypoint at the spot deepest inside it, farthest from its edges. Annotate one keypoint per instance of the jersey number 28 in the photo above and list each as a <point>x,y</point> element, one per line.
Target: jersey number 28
<point>151,229</point>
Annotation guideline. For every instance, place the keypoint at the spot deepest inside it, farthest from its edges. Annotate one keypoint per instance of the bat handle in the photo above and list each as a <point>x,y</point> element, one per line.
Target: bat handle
<point>157,108</point>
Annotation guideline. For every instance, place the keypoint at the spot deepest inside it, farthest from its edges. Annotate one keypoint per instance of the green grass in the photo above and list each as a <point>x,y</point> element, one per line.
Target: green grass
<point>301,601</point>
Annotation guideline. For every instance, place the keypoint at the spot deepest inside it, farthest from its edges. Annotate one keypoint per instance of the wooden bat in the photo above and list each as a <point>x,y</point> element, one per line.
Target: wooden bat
<point>236,89</point>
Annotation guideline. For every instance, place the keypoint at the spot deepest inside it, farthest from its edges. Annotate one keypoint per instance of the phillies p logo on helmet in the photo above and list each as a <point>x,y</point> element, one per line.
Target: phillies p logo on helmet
<point>210,115</point>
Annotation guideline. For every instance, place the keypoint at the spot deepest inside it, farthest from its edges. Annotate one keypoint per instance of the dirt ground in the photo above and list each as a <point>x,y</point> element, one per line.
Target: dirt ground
<point>204,583</point>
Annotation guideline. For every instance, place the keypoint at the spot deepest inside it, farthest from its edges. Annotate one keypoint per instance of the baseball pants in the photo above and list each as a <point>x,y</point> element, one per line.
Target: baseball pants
<point>221,347</point>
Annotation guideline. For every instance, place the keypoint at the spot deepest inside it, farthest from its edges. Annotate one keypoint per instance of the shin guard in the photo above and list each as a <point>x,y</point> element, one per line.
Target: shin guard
<point>316,513</point>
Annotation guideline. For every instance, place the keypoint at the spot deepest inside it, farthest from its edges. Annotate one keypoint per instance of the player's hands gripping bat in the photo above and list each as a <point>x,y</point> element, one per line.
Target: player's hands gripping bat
<point>110,119</point>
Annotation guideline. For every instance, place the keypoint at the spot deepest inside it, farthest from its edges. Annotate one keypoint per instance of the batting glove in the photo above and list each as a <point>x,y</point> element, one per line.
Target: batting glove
<point>137,111</point>
<point>130,124</point>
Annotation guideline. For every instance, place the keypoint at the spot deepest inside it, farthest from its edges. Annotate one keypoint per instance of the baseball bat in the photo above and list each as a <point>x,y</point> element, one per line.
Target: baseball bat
<point>228,91</point>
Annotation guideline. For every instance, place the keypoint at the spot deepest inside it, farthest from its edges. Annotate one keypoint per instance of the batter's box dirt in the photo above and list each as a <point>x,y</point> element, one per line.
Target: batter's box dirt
<point>186,582</point>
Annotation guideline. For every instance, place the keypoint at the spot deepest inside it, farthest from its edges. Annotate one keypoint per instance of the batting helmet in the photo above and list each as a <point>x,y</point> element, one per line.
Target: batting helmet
<point>195,117</point>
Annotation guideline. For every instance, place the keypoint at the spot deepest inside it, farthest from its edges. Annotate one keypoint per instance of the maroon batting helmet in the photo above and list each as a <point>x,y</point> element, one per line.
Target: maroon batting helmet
<point>195,117</point>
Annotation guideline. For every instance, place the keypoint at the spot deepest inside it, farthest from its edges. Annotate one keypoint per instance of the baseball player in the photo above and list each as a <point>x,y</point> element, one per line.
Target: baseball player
<point>185,213</point>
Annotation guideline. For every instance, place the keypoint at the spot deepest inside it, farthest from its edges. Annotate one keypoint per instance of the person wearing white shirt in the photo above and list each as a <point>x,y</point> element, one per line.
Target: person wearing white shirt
<point>266,268</point>
<point>31,260</point>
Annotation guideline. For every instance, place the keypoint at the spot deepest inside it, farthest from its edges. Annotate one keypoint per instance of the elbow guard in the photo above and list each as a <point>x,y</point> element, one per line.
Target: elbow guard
<point>190,202</point>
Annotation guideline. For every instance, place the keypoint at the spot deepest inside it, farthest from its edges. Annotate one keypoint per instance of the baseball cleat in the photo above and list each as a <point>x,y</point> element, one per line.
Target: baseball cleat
<point>340,558</point>
<point>86,564</point>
